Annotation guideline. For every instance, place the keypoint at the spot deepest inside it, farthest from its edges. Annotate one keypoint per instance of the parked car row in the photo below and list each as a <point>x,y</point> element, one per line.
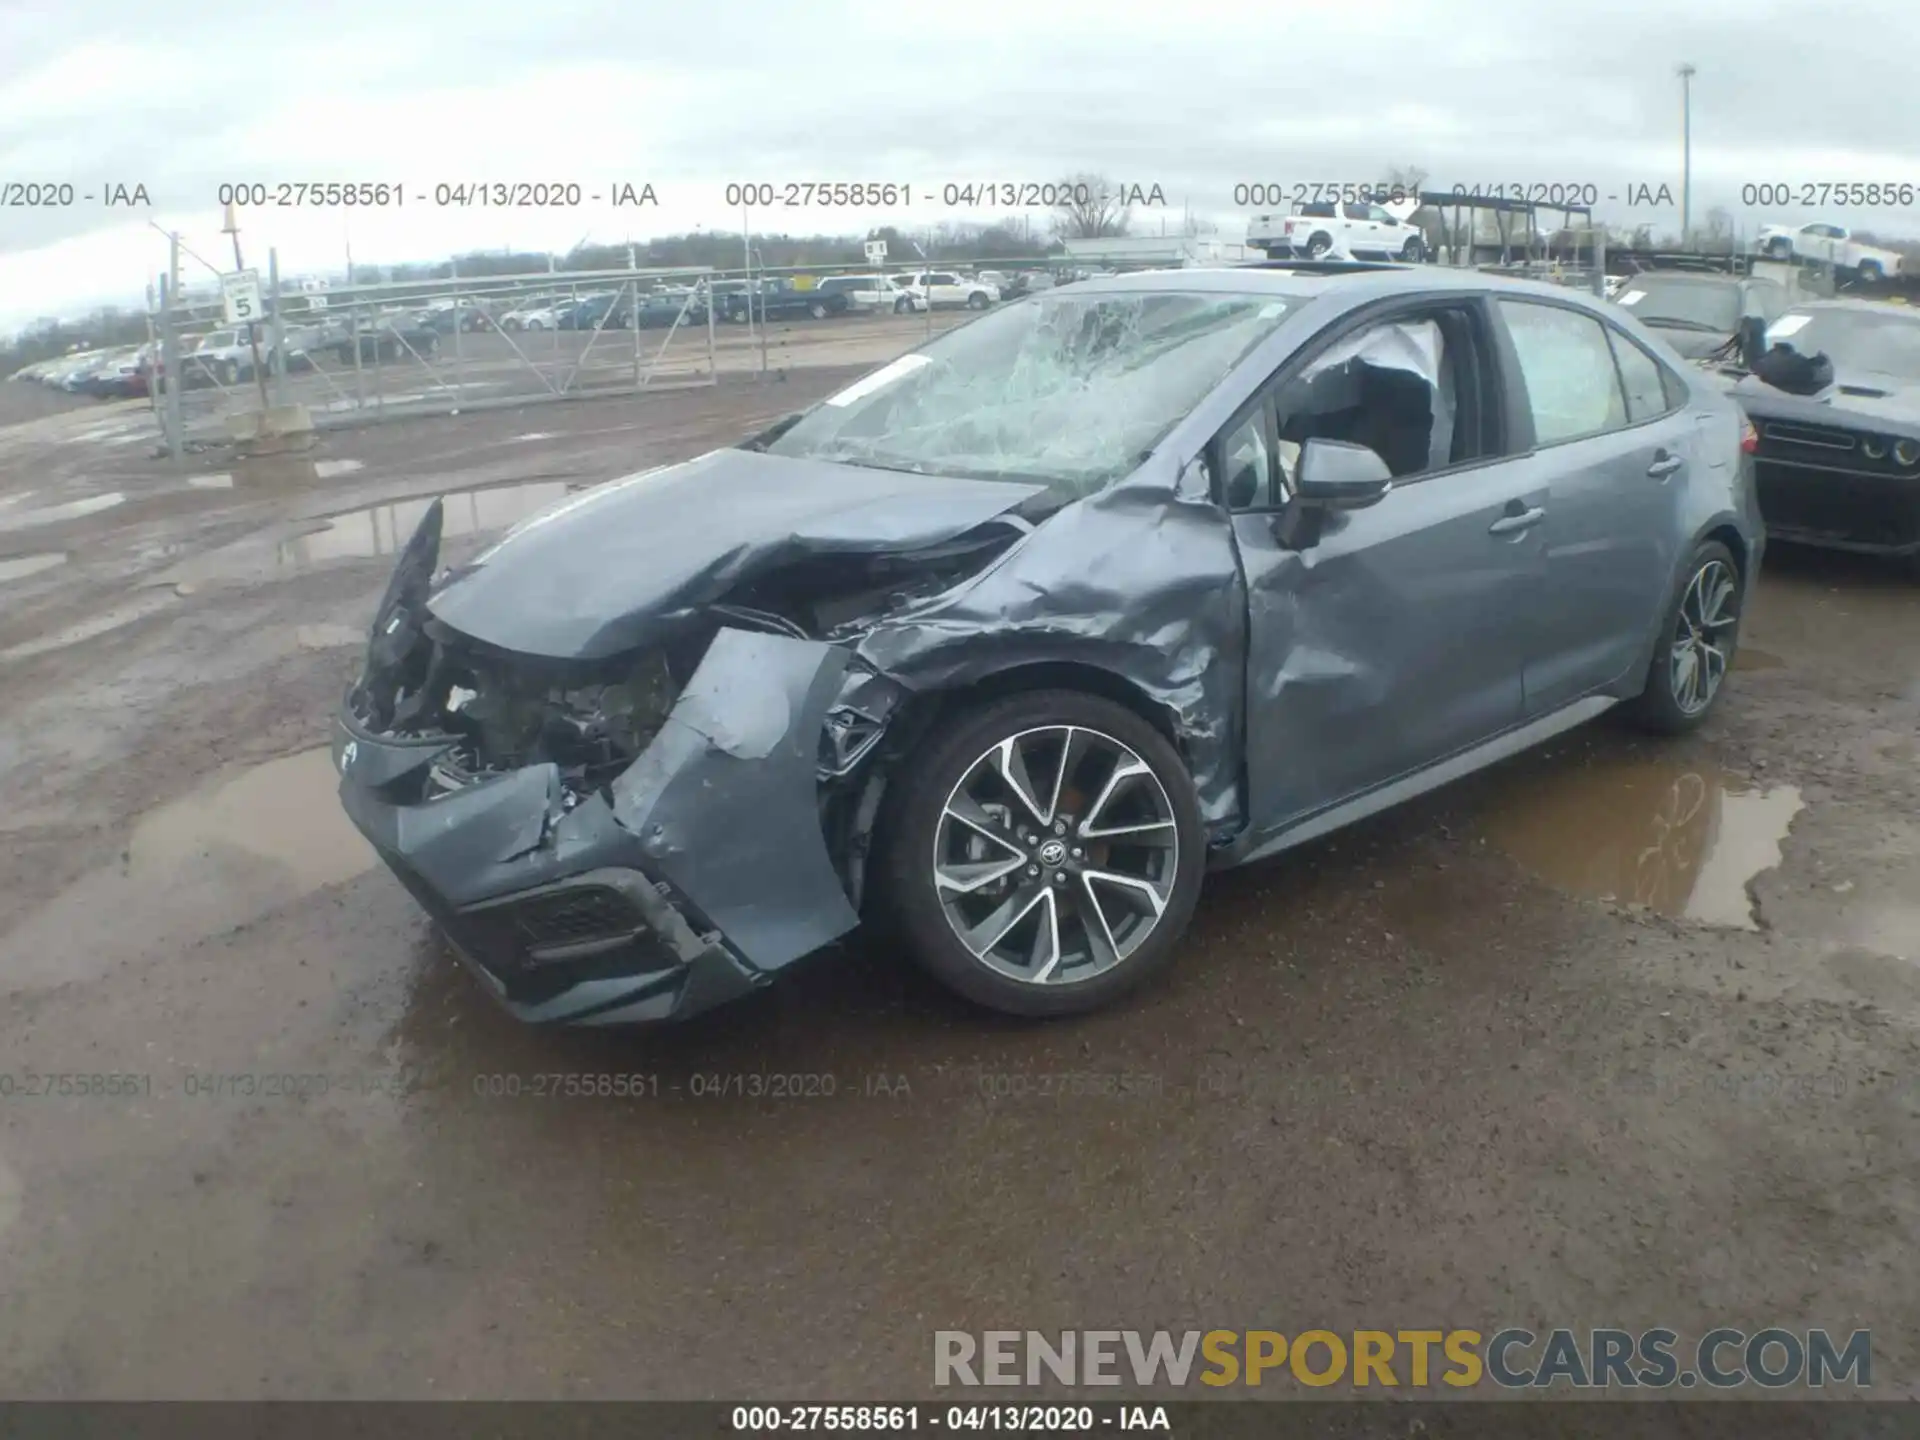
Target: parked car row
<point>114,374</point>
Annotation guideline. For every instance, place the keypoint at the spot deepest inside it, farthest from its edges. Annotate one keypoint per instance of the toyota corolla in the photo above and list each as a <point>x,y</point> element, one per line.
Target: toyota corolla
<point>1010,643</point>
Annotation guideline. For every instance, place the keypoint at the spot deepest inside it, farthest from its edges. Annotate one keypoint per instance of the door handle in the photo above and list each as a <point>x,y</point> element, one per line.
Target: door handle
<point>1664,466</point>
<point>1515,523</point>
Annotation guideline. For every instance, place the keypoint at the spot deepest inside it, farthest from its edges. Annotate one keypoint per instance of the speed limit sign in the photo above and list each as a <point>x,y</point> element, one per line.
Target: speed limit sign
<point>240,291</point>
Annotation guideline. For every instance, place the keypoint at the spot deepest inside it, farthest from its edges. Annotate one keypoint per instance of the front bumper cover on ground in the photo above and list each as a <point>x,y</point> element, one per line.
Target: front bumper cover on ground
<point>697,874</point>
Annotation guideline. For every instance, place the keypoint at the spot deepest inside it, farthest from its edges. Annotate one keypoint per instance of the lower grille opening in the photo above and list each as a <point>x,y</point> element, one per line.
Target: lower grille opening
<point>574,917</point>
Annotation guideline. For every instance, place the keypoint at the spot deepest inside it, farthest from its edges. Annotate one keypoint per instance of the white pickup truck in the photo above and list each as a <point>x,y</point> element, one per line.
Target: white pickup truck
<point>1830,244</point>
<point>1337,231</point>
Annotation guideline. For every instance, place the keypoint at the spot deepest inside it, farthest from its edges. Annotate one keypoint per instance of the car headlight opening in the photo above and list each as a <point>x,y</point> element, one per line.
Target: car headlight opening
<point>1907,454</point>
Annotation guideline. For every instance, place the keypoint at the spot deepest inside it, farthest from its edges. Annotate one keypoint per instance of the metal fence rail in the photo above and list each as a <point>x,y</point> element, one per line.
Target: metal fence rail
<point>348,352</point>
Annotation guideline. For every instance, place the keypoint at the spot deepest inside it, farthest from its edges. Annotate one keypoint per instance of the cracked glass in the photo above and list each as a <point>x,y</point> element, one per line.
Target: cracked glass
<point>1068,391</point>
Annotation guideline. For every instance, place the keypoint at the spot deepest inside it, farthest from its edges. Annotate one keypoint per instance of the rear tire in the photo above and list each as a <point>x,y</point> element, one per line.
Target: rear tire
<point>1114,916</point>
<point>1414,251</point>
<point>1318,245</point>
<point>1702,620</point>
<point>977,301</point>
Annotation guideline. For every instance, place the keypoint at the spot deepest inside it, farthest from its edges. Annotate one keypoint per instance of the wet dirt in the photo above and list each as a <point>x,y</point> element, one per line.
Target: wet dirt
<point>1667,832</point>
<point>1408,1071</point>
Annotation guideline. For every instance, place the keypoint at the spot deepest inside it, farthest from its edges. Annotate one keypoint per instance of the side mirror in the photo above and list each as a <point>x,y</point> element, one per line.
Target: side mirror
<point>1752,337</point>
<point>1339,475</point>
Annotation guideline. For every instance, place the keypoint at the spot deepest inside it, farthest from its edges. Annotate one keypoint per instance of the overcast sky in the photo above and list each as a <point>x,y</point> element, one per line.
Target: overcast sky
<point>183,95</point>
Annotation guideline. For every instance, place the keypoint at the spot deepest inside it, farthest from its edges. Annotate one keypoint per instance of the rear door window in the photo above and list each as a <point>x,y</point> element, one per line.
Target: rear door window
<point>1573,387</point>
<point>1642,378</point>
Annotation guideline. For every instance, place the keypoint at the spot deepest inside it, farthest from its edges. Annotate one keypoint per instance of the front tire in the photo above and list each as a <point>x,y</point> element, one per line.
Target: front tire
<point>977,300</point>
<point>1870,271</point>
<point>1043,853</point>
<point>902,306</point>
<point>1318,245</point>
<point>1780,249</point>
<point>1414,251</point>
<point>1697,644</point>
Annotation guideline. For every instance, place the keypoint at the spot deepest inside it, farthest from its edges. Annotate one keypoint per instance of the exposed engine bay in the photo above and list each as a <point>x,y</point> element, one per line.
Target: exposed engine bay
<point>593,718</point>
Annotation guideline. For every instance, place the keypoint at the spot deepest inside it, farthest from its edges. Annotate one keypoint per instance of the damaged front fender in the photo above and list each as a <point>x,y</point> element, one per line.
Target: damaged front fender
<point>724,800</point>
<point>697,873</point>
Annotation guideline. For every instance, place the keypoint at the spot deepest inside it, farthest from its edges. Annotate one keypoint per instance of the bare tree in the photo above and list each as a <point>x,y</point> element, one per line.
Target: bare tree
<point>1091,210</point>
<point>1411,179</point>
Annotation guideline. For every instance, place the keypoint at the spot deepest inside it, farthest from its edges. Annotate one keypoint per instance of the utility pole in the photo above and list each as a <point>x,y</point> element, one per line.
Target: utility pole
<point>1687,73</point>
<point>232,227</point>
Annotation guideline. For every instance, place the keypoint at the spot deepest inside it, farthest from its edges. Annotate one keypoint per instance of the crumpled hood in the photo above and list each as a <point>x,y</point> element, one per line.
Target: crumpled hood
<point>601,572</point>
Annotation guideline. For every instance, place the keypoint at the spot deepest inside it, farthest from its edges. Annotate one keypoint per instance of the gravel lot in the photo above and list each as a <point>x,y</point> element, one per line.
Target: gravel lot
<point>1620,1034</point>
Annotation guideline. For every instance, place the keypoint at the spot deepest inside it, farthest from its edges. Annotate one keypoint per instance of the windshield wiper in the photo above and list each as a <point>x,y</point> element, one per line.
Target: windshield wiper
<point>1681,324</point>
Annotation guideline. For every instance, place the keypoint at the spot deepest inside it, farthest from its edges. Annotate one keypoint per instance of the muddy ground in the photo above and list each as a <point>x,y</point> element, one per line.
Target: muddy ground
<point>1620,1034</point>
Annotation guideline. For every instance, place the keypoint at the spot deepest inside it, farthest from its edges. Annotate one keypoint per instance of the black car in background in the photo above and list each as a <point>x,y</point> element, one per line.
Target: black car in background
<point>596,312</point>
<point>1840,468</point>
<point>662,309</point>
<point>1699,313</point>
<point>780,300</point>
<point>467,316</point>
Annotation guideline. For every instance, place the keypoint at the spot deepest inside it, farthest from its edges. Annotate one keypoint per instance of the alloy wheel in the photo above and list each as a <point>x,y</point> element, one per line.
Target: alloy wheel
<point>1056,854</point>
<point>1702,637</point>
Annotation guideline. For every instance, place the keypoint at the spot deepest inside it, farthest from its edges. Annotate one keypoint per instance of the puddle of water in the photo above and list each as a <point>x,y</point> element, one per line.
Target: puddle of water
<point>18,567</point>
<point>1673,836</point>
<point>211,482</point>
<point>1748,658</point>
<point>52,514</point>
<point>327,469</point>
<point>87,629</point>
<point>358,534</point>
<point>15,499</point>
<point>218,858</point>
<point>383,529</point>
<point>532,435</point>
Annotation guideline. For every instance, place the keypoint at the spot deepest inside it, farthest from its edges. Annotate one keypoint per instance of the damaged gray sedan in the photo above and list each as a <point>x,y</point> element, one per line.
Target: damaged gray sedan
<point>1007,644</point>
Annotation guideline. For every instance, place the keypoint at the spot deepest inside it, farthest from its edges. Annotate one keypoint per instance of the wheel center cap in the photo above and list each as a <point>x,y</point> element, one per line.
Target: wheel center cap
<point>1053,852</point>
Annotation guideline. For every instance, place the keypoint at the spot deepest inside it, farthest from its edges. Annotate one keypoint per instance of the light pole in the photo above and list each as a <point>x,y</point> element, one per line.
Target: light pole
<point>1686,153</point>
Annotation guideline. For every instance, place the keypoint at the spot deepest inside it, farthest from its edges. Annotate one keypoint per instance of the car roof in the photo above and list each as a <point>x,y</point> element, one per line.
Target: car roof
<point>1710,277</point>
<point>1362,282</point>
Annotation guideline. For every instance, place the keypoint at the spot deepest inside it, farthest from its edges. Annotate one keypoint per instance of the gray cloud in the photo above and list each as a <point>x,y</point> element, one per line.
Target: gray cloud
<point>1195,100</point>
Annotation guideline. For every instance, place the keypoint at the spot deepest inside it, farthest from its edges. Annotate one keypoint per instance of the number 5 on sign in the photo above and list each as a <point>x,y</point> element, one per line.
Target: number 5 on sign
<point>241,293</point>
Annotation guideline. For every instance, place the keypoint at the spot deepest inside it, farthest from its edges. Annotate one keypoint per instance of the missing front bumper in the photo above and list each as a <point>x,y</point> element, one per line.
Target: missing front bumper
<point>697,874</point>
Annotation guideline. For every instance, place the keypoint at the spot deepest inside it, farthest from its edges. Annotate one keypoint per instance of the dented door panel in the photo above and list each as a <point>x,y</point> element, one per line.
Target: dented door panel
<point>1396,640</point>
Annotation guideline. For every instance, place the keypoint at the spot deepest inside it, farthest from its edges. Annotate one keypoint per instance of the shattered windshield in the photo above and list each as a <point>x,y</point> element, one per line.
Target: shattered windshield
<point>1685,304</point>
<point>1886,344</point>
<point>1066,390</point>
